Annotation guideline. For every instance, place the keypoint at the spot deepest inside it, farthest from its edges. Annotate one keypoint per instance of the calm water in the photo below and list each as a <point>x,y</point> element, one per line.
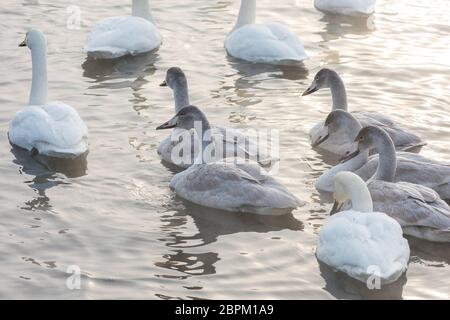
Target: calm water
<point>119,222</point>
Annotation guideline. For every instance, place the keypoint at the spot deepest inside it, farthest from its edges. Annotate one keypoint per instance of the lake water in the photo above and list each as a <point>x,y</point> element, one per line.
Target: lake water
<point>118,221</point>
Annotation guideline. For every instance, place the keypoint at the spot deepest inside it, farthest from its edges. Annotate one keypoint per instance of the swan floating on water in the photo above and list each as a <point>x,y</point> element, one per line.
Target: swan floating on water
<point>231,184</point>
<point>418,209</point>
<point>340,142</point>
<point>346,7</point>
<point>124,35</point>
<point>231,142</point>
<point>47,128</point>
<point>360,242</point>
<point>270,43</point>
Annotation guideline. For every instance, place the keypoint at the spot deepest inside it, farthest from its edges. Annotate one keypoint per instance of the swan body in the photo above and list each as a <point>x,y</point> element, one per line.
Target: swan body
<point>232,142</point>
<point>418,209</point>
<point>49,128</point>
<point>346,7</point>
<point>340,142</point>
<point>271,43</point>
<point>230,184</point>
<point>115,37</point>
<point>360,242</point>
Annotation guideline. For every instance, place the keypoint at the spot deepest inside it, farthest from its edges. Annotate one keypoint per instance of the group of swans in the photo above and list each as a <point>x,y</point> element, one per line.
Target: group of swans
<point>404,188</point>
<point>259,43</point>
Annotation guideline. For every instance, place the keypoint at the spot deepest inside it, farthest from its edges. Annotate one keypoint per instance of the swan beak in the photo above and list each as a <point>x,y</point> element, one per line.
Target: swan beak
<point>23,43</point>
<point>163,84</point>
<point>320,140</point>
<point>349,156</point>
<point>336,207</point>
<point>312,88</point>
<point>172,123</point>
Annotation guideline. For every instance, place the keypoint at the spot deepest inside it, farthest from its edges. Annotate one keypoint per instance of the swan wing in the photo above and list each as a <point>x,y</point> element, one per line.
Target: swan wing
<point>410,204</point>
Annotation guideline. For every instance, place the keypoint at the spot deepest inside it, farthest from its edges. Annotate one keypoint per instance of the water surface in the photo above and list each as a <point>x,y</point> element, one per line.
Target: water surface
<point>115,216</point>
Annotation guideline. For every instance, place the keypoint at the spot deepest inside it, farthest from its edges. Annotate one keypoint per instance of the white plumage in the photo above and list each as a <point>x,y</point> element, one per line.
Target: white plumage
<point>50,128</point>
<point>262,43</point>
<point>346,7</point>
<point>54,129</point>
<point>360,242</point>
<point>125,35</point>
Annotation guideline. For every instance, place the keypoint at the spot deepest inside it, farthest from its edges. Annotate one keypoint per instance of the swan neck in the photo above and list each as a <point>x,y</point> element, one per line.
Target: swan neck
<point>338,93</point>
<point>38,94</point>
<point>181,96</point>
<point>141,8</point>
<point>360,197</point>
<point>387,163</point>
<point>203,130</point>
<point>247,13</point>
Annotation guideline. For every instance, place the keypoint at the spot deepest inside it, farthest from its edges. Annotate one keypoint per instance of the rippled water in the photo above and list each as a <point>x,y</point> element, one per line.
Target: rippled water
<point>119,222</point>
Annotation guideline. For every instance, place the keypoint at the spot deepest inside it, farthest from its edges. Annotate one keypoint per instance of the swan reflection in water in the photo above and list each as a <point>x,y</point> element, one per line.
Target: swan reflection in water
<point>338,26</point>
<point>186,254</point>
<point>46,174</point>
<point>128,67</point>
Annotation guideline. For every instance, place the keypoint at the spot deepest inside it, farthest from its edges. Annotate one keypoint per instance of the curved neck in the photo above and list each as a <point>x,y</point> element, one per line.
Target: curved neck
<point>203,130</point>
<point>247,13</point>
<point>38,94</point>
<point>181,96</point>
<point>338,93</point>
<point>387,163</point>
<point>141,8</point>
<point>360,197</point>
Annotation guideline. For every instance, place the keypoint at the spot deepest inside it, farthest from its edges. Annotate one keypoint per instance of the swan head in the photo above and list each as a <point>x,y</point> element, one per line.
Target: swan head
<point>337,121</point>
<point>349,187</point>
<point>186,119</point>
<point>33,39</point>
<point>367,139</point>
<point>322,80</point>
<point>175,77</point>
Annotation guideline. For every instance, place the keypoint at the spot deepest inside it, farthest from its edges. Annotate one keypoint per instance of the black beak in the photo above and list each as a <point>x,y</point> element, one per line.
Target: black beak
<point>163,84</point>
<point>23,43</point>
<point>336,208</point>
<point>320,140</point>
<point>310,90</point>
<point>172,123</point>
<point>349,156</point>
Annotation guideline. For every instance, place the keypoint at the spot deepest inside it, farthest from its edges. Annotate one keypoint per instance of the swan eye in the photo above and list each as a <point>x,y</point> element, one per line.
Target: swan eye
<point>361,138</point>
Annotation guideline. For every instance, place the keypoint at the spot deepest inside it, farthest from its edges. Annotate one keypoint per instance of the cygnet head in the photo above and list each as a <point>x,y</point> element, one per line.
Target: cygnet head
<point>336,121</point>
<point>185,119</point>
<point>34,39</point>
<point>174,77</point>
<point>370,138</point>
<point>322,80</point>
<point>350,187</point>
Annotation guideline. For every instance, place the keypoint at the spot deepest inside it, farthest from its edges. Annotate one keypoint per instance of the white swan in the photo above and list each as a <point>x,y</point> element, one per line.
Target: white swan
<point>339,143</point>
<point>125,35</point>
<point>346,7</point>
<point>232,142</point>
<point>48,128</point>
<point>418,209</point>
<point>360,242</point>
<point>231,184</point>
<point>411,167</point>
<point>262,43</point>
